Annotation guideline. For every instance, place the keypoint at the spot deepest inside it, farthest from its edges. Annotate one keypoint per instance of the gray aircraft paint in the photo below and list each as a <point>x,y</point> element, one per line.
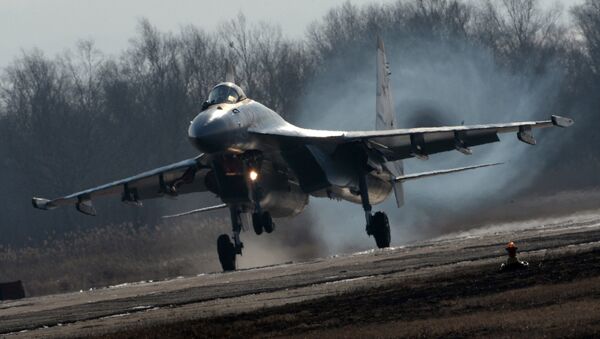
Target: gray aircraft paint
<point>248,126</point>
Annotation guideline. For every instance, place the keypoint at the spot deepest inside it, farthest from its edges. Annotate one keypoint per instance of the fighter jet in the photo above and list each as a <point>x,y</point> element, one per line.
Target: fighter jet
<point>258,163</point>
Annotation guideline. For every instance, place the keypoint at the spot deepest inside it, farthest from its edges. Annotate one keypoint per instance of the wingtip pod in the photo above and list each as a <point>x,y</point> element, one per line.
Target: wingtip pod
<point>42,204</point>
<point>562,121</point>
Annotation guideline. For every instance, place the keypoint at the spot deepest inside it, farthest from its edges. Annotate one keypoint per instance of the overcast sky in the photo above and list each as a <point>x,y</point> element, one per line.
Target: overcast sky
<point>55,25</point>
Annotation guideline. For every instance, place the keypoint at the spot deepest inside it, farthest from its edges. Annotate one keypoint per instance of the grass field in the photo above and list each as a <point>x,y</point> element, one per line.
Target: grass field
<point>112,255</point>
<point>115,254</point>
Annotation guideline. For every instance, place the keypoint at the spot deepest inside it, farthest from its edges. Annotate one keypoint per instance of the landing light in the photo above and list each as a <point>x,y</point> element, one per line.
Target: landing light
<point>253,175</point>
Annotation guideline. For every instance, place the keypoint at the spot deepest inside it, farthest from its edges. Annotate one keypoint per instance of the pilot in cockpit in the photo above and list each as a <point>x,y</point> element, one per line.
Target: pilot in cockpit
<point>224,93</point>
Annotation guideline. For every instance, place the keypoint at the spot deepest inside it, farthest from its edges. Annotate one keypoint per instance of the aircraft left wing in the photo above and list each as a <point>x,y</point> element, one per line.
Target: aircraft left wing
<point>398,144</point>
<point>186,176</point>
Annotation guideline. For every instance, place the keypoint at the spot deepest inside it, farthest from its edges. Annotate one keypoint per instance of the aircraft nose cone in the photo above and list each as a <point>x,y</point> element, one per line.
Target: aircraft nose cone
<point>209,131</point>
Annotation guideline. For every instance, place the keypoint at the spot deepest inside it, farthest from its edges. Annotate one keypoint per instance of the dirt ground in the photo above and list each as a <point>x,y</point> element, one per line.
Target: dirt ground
<point>558,302</point>
<point>447,287</point>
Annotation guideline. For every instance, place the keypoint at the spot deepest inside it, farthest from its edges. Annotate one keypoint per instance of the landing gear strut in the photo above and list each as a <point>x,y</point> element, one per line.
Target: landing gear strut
<point>378,225</point>
<point>228,250</point>
<point>261,220</point>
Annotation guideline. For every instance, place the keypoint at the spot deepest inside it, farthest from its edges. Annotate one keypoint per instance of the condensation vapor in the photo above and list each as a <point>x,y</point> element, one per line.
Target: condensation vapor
<point>433,84</point>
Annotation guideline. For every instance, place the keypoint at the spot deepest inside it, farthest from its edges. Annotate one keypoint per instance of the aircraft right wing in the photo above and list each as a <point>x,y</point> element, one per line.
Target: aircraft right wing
<point>396,144</point>
<point>421,142</point>
<point>186,176</point>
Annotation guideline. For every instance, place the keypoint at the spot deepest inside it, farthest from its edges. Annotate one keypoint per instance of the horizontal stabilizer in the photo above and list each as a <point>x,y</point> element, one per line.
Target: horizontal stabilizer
<point>199,210</point>
<point>422,175</point>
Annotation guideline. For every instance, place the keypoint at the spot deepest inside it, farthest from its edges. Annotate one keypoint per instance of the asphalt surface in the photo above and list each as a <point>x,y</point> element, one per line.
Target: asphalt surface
<point>145,304</point>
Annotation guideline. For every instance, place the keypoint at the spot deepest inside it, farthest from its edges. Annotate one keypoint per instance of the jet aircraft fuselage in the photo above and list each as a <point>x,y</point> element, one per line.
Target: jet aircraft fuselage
<point>221,132</point>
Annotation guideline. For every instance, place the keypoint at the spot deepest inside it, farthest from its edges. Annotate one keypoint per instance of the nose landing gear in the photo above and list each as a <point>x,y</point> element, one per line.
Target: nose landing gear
<point>262,221</point>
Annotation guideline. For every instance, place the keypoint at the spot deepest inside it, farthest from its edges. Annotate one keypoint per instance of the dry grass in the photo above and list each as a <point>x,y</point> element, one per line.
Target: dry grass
<point>114,254</point>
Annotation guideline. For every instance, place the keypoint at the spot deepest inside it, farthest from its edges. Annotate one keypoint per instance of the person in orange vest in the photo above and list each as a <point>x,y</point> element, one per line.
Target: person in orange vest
<point>512,262</point>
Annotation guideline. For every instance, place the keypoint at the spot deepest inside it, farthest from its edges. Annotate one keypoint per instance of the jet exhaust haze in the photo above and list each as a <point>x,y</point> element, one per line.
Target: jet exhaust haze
<point>433,84</point>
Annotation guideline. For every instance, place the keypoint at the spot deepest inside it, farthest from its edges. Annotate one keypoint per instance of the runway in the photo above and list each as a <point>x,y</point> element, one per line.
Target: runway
<point>436,273</point>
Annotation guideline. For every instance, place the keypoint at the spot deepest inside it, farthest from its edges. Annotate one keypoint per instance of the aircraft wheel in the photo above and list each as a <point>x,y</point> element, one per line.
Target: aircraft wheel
<point>257,223</point>
<point>381,230</point>
<point>267,222</point>
<point>226,252</point>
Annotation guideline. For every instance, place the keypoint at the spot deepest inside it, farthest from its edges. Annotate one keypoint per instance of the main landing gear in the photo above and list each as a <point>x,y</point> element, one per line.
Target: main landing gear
<point>378,225</point>
<point>261,221</point>
<point>228,250</point>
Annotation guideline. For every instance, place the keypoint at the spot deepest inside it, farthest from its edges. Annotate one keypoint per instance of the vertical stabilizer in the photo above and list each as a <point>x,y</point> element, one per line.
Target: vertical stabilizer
<point>385,114</point>
<point>386,117</point>
<point>229,76</point>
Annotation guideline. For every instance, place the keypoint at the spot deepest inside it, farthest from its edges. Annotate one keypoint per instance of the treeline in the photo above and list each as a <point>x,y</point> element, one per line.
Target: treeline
<point>84,118</point>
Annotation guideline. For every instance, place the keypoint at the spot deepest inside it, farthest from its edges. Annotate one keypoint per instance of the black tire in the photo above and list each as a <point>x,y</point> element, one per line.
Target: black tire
<point>257,223</point>
<point>381,230</point>
<point>267,222</point>
<point>226,252</point>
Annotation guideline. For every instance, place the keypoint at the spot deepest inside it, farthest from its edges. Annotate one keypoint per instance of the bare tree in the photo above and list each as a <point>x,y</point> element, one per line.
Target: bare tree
<point>520,31</point>
<point>587,17</point>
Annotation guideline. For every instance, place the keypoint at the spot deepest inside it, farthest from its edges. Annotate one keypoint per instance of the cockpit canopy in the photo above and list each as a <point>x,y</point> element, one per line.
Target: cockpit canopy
<point>225,93</point>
